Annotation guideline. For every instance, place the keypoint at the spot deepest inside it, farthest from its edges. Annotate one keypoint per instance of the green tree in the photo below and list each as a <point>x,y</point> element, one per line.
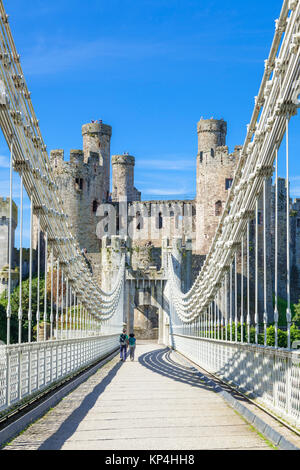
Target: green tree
<point>25,305</point>
<point>296,317</point>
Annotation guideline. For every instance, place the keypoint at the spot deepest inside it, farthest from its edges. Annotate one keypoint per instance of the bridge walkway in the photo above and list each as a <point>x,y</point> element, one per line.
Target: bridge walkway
<point>157,402</point>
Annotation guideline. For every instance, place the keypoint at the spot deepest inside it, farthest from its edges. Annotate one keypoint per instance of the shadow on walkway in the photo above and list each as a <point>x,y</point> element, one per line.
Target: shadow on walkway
<point>161,362</point>
<point>69,426</point>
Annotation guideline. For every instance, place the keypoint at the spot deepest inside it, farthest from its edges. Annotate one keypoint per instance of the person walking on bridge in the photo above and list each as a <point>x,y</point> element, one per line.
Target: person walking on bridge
<point>132,344</point>
<point>123,345</point>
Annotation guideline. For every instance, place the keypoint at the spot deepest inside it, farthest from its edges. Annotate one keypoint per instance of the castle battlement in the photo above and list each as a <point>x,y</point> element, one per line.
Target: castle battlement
<point>123,160</point>
<point>76,162</point>
<point>76,156</point>
<point>94,128</point>
<point>218,157</point>
<point>94,159</point>
<point>212,125</point>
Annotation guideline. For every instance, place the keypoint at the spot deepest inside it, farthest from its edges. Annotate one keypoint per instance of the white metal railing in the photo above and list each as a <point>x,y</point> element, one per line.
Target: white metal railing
<point>28,369</point>
<point>271,376</point>
<point>76,321</point>
<point>226,322</point>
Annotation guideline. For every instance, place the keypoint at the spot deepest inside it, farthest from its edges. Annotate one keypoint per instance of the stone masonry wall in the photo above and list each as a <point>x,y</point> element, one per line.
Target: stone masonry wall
<point>4,230</point>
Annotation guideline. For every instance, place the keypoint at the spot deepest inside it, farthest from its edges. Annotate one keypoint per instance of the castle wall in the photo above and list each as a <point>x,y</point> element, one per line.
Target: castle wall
<point>154,220</point>
<point>282,242</point>
<point>4,230</point>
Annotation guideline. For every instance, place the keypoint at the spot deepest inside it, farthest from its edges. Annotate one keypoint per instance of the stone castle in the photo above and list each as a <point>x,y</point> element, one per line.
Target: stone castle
<point>102,209</point>
<point>84,183</point>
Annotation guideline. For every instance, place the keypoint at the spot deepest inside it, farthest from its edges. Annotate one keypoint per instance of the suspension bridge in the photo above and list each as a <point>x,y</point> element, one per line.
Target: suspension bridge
<point>214,355</point>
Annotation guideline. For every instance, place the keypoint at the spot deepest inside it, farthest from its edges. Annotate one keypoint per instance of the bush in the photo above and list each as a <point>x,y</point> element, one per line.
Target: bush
<point>296,317</point>
<point>281,335</point>
<point>282,306</point>
<point>25,306</point>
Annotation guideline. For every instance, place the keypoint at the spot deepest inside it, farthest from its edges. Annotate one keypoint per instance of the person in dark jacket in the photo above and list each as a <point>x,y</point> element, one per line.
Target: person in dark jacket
<point>132,344</point>
<point>123,340</point>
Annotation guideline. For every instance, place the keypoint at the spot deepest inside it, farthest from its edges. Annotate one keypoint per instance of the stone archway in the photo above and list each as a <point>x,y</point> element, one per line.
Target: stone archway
<point>145,318</point>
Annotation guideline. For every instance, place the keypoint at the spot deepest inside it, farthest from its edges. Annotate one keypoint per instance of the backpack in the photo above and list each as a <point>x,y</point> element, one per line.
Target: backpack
<point>122,339</point>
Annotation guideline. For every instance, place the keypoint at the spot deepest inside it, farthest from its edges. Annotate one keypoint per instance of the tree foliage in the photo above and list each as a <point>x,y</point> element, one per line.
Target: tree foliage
<point>25,306</point>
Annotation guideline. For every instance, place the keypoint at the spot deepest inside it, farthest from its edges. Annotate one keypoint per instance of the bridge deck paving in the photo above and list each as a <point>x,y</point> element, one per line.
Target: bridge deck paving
<point>156,402</point>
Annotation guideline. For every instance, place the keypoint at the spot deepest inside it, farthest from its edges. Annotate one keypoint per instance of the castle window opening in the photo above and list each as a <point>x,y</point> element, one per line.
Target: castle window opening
<point>95,206</point>
<point>160,221</point>
<point>179,222</point>
<point>259,218</point>
<point>298,223</point>
<point>79,183</point>
<point>139,221</point>
<point>228,183</point>
<point>201,157</point>
<point>212,152</point>
<point>218,208</point>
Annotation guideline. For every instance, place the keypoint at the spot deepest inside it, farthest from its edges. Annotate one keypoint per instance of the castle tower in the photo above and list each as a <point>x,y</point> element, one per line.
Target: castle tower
<point>211,134</point>
<point>4,230</point>
<point>123,178</point>
<point>80,183</point>
<point>215,171</point>
<point>96,139</point>
<point>5,238</point>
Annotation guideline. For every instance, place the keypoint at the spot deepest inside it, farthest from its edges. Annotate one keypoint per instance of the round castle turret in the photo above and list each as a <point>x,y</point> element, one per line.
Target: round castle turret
<point>123,177</point>
<point>211,134</point>
<point>96,139</point>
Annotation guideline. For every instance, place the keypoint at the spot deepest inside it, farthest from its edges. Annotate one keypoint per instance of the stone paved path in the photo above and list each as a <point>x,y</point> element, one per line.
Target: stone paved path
<point>156,402</point>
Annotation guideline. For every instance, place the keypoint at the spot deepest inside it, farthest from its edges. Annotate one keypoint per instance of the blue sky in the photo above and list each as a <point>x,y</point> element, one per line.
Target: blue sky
<point>150,69</point>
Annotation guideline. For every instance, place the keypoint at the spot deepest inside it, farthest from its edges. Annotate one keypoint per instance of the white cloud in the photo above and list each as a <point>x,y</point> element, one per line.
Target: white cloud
<point>56,55</point>
<point>53,55</point>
